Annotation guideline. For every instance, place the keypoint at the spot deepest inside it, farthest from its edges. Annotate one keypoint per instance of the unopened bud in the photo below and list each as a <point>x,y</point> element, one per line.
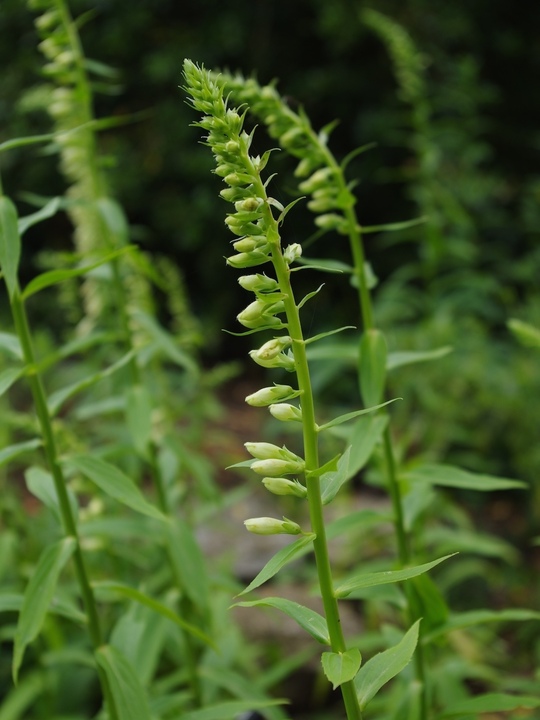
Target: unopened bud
<point>248,205</point>
<point>263,450</point>
<point>279,361</point>
<point>258,283</point>
<point>284,486</point>
<point>272,526</point>
<point>250,259</point>
<point>268,395</point>
<point>292,253</point>
<point>274,467</point>
<point>285,412</point>
<point>272,348</point>
<point>318,180</point>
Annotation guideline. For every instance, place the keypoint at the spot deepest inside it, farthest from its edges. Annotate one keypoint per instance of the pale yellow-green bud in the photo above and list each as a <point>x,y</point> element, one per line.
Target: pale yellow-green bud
<point>268,395</point>
<point>272,348</point>
<point>272,526</point>
<point>285,412</point>
<point>284,486</point>
<point>245,260</point>
<point>232,146</point>
<point>258,283</point>
<point>274,467</point>
<point>263,450</point>
<point>248,205</point>
<point>246,245</point>
<point>281,360</point>
<point>292,253</point>
<point>318,180</point>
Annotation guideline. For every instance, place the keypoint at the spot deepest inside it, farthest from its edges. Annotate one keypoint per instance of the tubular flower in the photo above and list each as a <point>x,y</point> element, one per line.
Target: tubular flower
<point>269,395</point>
<point>272,526</point>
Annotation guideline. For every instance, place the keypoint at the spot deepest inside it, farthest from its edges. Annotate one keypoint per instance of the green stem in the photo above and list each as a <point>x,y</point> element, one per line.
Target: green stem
<point>311,457</point>
<point>68,521</point>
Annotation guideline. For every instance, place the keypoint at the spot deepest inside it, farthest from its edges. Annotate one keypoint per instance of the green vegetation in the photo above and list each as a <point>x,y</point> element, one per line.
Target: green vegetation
<point>391,269</point>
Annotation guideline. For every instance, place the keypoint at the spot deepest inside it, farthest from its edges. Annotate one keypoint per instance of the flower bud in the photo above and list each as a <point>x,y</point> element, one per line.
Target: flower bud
<point>283,486</point>
<point>232,146</point>
<point>258,283</point>
<point>282,361</point>
<point>285,412</point>
<point>272,348</point>
<point>268,395</point>
<point>258,314</point>
<point>292,253</point>
<point>274,467</point>
<point>245,260</point>
<point>263,450</point>
<point>250,204</point>
<point>318,180</point>
<point>246,245</point>
<point>272,526</point>
<point>331,221</point>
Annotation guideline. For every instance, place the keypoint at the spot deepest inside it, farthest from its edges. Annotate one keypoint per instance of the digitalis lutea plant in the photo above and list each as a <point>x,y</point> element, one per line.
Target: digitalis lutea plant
<point>275,309</point>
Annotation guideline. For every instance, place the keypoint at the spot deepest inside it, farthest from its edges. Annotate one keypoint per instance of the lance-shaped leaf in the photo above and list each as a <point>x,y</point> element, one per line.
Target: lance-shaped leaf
<point>12,451</point>
<point>41,484</point>
<point>229,710</point>
<point>341,667</point>
<point>383,667</point>
<point>8,377</point>
<point>139,420</point>
<point>54,277</point>
<point>47,211</point>
<point>280,559</point>
<point>153,604</point>
<point>490,703</point>
<point>128,694</point>
<point>10,343</point>
<point>398,359</point>
<point>10,244</point>
<point>393,227</point>
<point>38,595</point>
<point>113,482</point>
<point>363,580</point>
<point>331,482</point>
<point>450,476</point>
<point>527,334</point>
<point>315,338</point>
<point>373,352</point>
<point>365,435</point>
<point>472,618</point>
<point>308,619</point>
<point>188,562</point>
<point>350,416</point>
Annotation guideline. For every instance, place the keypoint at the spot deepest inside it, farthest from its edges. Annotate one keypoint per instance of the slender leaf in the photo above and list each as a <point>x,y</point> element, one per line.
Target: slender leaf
<point>326,265</point>
<point>383,667</point>
<point>139,421</point>
<point>8,377</point>
<point>450,476</point>
<point>22,697</point>
<point>392,227</point>
<point>472,618</point>
<point>58,398</point>
<point>308,619</point>
<point>38,595</point>
<point>363,580</point>
<point>10,244</point>
<point>310,295</point>
<point>527,334</point>
<point>47,211</point>
<point>10,344</point>
<point>188,561</point>
<point>491,702</point>
<point>350,416</point>
<point>128,693</point>
<point>398,359</point>
<point>358,519</point>
<point>13,451</point>
<point>373,352</point>
<point>229,710</point>
<point>366,434</point>
<point>330,332</point>
<point>155,605</point>
<point>54,277</point>
<point>165,343</point>
<point>341,667</point>
<point>331,482</point>
<point>280,559</point>
<point>113,482</point>
<point>41,484</point>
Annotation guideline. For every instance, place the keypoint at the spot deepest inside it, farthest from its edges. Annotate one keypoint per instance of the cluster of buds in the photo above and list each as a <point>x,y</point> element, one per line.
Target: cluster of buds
<point>295,134</point>
<point>256,241</point>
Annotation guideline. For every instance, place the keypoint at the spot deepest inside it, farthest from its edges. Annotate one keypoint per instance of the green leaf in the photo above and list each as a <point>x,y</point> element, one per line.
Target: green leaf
<point>331,482</point>
<point>54,277</point>
<point>308,619</point>
<point>472,618</point>
<point>279,560</point>
<point>358,519</point>
<point>384,666</point>
<point>289,207</point>
<point>115,221</point>
<point>373,352</point>
<point>350,416</point>
<point>128,694</point>
<point>393,227</point>
<point>10,344</point>
<point>450,476</point>
<point>41,484</point>
<point>229,710</point>
<point>354,153</point>
<point>366,434</point>
<point>58,398</point>
<point>330,332</point>
<point>341,667</point>
<point>165,343</point>
<point>38,595</point>
<point>114,483</point>
<point>155,605</point>
<point>363,580</point>
<point>527,334</point>
<point>8,377</point>
<point>188,562</point>
<point>13,451</point>
<point>22,697</point>
<point>10,244</point>
<point>491,702</point>
<point>398,359</point>
<point>47,211</point>
<point>139,422</point>
<point>309,295</point>
<point>447,539</point>
<point>326,265</point>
